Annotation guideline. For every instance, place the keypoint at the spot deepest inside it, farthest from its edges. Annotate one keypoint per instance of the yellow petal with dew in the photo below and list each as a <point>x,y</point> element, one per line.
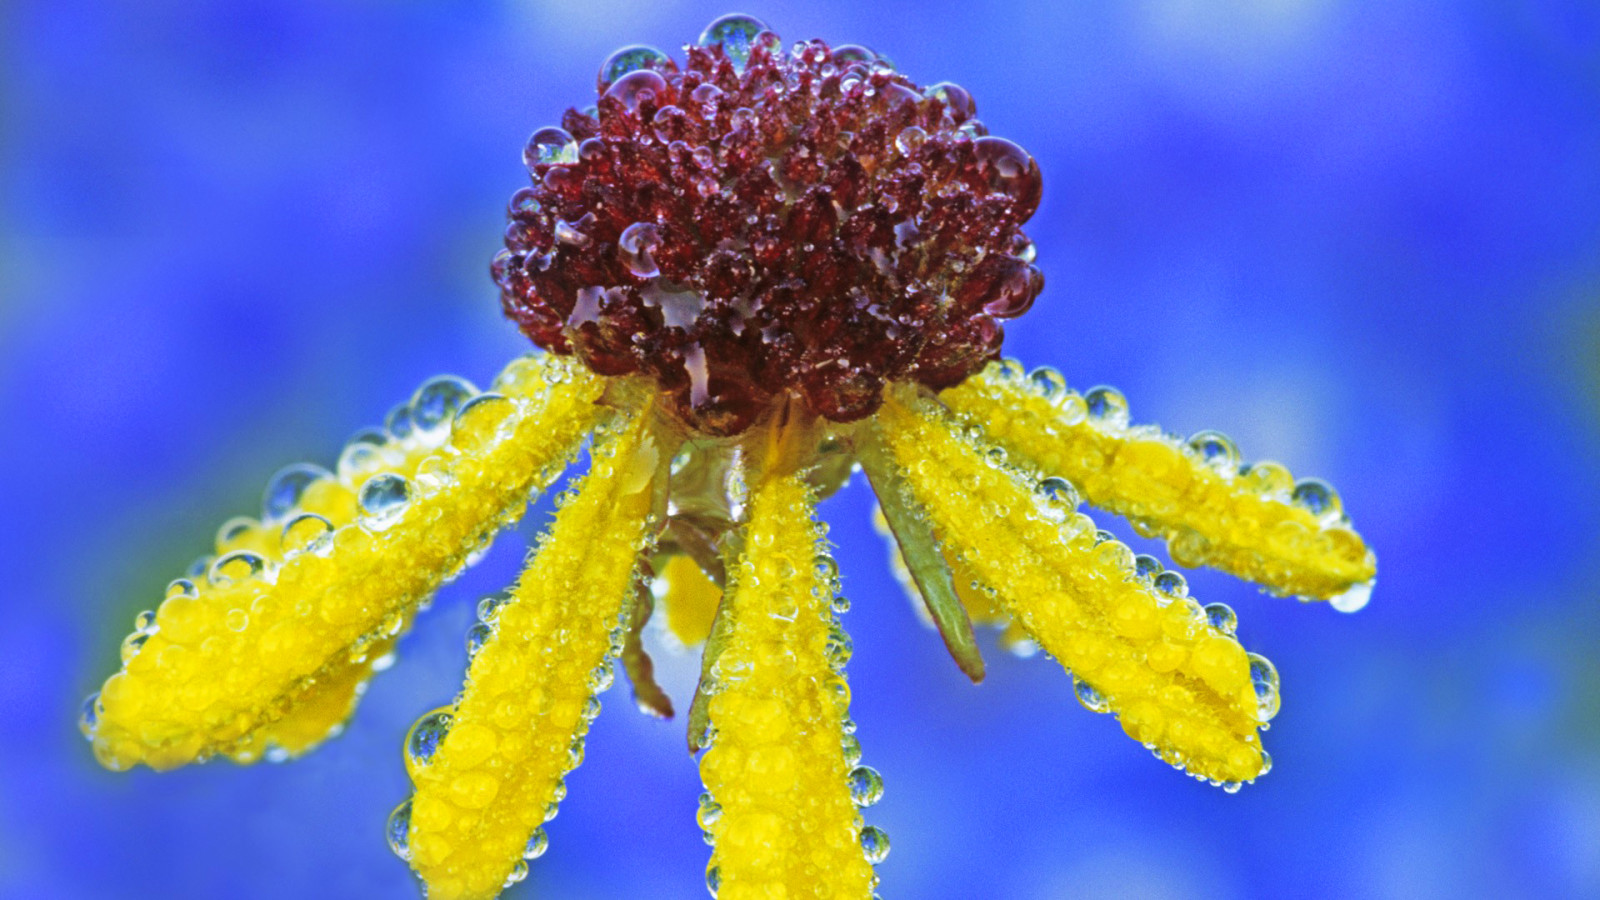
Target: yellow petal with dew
<point>1254,521</point>
<point>779,805</point>
<point>340,563</point>
<point>483,787</point>
<point>1135,641</point>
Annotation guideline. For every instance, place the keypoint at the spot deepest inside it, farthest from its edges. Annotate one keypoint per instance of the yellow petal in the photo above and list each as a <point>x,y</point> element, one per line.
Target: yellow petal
<point>779,807</point>
<point>519,724</point>
<point>691,599</point>
<point>299,618</point>
<point>1210,512</point>
<point>1178,683</point>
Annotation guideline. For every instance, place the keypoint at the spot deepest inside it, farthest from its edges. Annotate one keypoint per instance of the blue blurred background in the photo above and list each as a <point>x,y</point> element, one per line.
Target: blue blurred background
<point>1360,238</point>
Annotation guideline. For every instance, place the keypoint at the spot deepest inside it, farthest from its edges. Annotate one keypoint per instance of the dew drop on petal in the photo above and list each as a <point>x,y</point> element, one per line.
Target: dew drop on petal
<point>423,741</point>
<point>1008,169</point>
<point>398,422</point>
<point>232,568</point>
<point>910,139</point>
<point>1091,699</point>
<point>874,844</point>
<point>1107,407</point>
<point>538,843</point>
<point>1316,496</point>
<point>1048,383</point>
<point>383,500</point>
<point>1353,598</point>
<point>1222,617</point>
<point>477,636</point>
<point>435,404</point>
<point>1265,678</point>
<point>550,146</point>
<point>1173,584</point>
<point>1216,450</point>
<point>630,90</point>
<point>398,830</point>
<point>89,715</point>
<point>286,488</point>
<point>866,785</point>
<point>713,880</point>
<point>518,872</point>
<point>307,533</point>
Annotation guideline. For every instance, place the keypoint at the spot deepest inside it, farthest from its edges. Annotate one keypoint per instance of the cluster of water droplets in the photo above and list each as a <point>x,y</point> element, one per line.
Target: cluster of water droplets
<point>1105,408</point>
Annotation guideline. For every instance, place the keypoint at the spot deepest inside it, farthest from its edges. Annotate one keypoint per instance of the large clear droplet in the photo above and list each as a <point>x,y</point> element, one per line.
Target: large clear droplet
<point>1216,450</point>
<point>1353,598</point>
<point>477,636</point>
<point>233,568</point>
<point>398,831</point>
<point>518,872</point>
<point>635,249</point>
<point>286,488</point>
<point>1317,497</point>
<point>1222,617</point>
<point>632,58</point>
<point>89,715</point>
<point>1060,497</point>
<point>550,146</point>
<point>874,844</point>
<point>484,419</point>
<point>1107,407</point>
<point>736,35</point>
<point>427,734</point>
<point>866,785</point>
<point>1092,700</point>
<point>383,499</point>
<point>398,422</point>
<point>538,843</point>
<point>435,404</point>
<point>1265,678</point>
<point>307,533</point>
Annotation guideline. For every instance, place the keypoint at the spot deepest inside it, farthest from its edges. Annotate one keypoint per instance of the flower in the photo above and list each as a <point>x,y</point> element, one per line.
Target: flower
<point>750,277</point>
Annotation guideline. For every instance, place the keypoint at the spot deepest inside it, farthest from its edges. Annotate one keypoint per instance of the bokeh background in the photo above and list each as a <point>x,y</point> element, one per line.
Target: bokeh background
<point>1363,238</point>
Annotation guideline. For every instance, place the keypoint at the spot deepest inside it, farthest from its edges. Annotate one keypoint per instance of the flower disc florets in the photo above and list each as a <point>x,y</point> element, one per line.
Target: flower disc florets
<point>762,223</point>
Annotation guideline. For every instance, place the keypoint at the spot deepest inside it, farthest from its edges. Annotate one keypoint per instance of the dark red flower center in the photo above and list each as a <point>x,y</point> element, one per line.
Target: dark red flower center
<point>763,223</point>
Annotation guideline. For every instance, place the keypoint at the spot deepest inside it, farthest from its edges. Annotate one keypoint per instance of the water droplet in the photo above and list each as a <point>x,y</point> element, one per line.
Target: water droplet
<point>840,605</point>
<point>518,872</point>
<point>866,785</point>
<point>1061,498</point>
<point>1268,477</point>
<point>489,607</point>
<point>550,146</point>
<point>910,139</point>
<point>1231,787</point>
<point>1009,170</point>
<point>477,636</point>
<point>635,248</point>
<point>145,622</point>
<point>1101,536</point>
<point>708,812</point>
<point>436,403</point>
<point>1172,584</point>
<point>307,533</point>
<point>285,490</point>
<point>358,458</point>
<point>236,620</point>
<point>713,880</point>
<point>1265,678</point>
<point>1146,566</point>
<point>426,734</point>
<point>132,644</point>
<point>538,843</point>
<point>851,745</point>
<point>955,99</point>
<point>1266,763</point>
<point>1107,407</point>
<point>1317,497</point>
<point>602,677</point>
<point>199,568</point>
<point>235,567</point>
<point>632,58</point>
<point>484,418</point>
<point>874,844</point>
<point>572,233</point>
<point>89,715</point>
<point>181,587</point>
<point>383,499</point>
<point>398,830</point>
<point>1091,699</point>
<point>1048,383</point>
<point>839,646</point>
<point>632,89</point>
<point>1353,598</point>
<point>1222,617</point>
<point>736,34</point>
<point>1216,450</point>
<point>398,422</point>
